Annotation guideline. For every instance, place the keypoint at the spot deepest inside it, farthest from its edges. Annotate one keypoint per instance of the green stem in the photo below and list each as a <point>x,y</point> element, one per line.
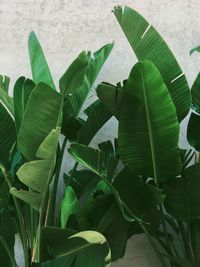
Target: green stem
<point>5,245</point>
<point>21,223</point>
<point>52,199</point>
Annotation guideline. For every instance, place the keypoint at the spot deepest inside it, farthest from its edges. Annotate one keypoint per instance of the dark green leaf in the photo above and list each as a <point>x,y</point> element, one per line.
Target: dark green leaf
<point>182,195</point>
<point>22,90</point>
<point>144,126</point>
<point>148,44</point>
<point>97,117</point>
<point>193,131</point>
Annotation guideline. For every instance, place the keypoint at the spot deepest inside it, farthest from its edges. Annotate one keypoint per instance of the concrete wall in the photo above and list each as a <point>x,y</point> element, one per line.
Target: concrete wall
<point>65,27</point>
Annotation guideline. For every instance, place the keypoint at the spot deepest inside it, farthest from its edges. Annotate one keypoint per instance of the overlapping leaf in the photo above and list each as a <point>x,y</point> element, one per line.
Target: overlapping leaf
<point>148,44</point>
<point>37,174</point>
<point>148,125</point>
<point>42,114</point>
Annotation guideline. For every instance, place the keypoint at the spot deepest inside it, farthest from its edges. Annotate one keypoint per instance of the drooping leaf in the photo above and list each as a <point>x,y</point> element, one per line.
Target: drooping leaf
<point>193,131</point>
<point>37,174</point>
<point>85,249</point>
<point>42,114</point>
<point>97,117</point>
<point>22,90</point>
<point>39,66</point>
<point>144,126</point>
<point>97,161</point>
<point>7,127</point>
<point>182,195</point>
<point>76,89</point>
<point>148,44</point>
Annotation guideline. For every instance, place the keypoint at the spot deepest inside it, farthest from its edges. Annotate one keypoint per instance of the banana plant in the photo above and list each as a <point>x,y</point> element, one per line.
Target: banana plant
<point>32,123</point>
<point>153,175</point>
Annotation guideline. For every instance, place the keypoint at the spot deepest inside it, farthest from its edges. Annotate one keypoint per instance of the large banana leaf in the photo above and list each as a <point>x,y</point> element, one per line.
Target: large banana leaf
<point>7,126</point>
<point>182,195</point>
<point>42,114</point>
<point>79,78</point>
<point>39,66</point>
<point>148,125</point>
<point>22,90</point>
<point>85,249</point>
<point>37,174</point>
<point>148,44</point>
<point>98,115</point>
<point>97,161</point>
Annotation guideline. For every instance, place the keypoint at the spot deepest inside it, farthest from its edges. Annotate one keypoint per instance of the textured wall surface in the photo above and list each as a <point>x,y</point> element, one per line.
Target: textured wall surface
<point>66,27</point>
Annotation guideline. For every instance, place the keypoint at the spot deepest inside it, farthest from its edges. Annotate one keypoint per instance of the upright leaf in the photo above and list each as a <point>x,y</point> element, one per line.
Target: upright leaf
<point>148,44</point>
<point>22,90</point>
<point>148,131</point>
<point>7,127</point>
<point>39,66</point>
<point>42,114</point>
<point>79,78</point>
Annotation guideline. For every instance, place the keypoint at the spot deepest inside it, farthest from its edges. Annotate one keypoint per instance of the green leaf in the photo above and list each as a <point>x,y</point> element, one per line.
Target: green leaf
<point>77,81</point>
<point>193,131</point>
<point>97,117</point>
<point>42,114</point>
<point>77,250</point>
<point>22,90</point>
<point>182,195</point>
<point>95,160</point>
<point>138,196</point>
<point>98,162</point>
<point>4,83</point>
<point>195,93</point>
<point>7,127</point>
<point>39,66</point>
<point>111,96</point>
<point>69,205</point>
<point>37,174</point>
<point>148,131</point>
<point>148,44</point>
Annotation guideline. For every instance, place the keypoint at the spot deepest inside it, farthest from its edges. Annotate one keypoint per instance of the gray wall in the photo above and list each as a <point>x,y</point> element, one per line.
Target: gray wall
<point>65,27</point>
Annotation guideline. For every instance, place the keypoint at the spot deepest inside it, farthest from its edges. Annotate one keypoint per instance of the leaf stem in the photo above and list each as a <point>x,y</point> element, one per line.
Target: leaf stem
<point>52,198</point>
